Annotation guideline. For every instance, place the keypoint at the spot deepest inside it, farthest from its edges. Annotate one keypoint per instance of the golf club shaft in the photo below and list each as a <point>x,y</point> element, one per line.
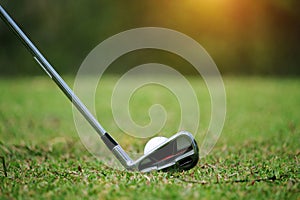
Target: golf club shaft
<point>112,145</point>
<point>41,60</point>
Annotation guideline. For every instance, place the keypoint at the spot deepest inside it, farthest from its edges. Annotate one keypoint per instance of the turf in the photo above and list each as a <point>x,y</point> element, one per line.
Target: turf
<point>256,157</point>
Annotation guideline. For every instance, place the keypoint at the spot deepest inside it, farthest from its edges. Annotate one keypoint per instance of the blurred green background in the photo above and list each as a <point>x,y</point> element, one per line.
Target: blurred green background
<point>248,37</point>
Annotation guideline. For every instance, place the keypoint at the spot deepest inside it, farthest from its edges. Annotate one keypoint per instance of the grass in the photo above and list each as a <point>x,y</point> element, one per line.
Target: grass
<point>256,157</point>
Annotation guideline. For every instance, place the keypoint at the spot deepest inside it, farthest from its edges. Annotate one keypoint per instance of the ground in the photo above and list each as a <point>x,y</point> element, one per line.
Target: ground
<point>256,157</point>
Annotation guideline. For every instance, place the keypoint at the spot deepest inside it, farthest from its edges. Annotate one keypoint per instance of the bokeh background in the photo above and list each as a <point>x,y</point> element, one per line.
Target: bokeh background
<point>244,37</point>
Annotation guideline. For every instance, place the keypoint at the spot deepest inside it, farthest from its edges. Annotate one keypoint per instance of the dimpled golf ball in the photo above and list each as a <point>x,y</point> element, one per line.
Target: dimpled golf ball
<point>154,142</point>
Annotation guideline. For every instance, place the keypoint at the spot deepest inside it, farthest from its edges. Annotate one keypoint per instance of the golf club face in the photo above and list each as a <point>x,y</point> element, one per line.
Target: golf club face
<point>180,152</point>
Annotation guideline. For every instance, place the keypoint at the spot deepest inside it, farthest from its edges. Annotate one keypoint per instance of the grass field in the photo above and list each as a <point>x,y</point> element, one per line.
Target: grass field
<point>256,157</point>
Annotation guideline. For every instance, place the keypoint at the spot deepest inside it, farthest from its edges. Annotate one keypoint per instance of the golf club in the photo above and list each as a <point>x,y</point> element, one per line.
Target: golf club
<point>179,152</point>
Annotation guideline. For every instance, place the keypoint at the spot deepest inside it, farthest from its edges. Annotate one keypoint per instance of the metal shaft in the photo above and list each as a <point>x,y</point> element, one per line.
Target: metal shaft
<point>46,66</point>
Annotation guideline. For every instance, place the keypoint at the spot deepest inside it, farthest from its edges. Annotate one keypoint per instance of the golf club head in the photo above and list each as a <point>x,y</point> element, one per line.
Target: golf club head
<point>180,152</point>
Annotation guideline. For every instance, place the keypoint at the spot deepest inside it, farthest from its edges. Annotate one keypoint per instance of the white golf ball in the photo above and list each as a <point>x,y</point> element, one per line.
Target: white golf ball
<point>154,142</point>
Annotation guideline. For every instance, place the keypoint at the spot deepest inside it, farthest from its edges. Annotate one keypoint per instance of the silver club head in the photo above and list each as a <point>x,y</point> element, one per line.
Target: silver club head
<point>180,152</point>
